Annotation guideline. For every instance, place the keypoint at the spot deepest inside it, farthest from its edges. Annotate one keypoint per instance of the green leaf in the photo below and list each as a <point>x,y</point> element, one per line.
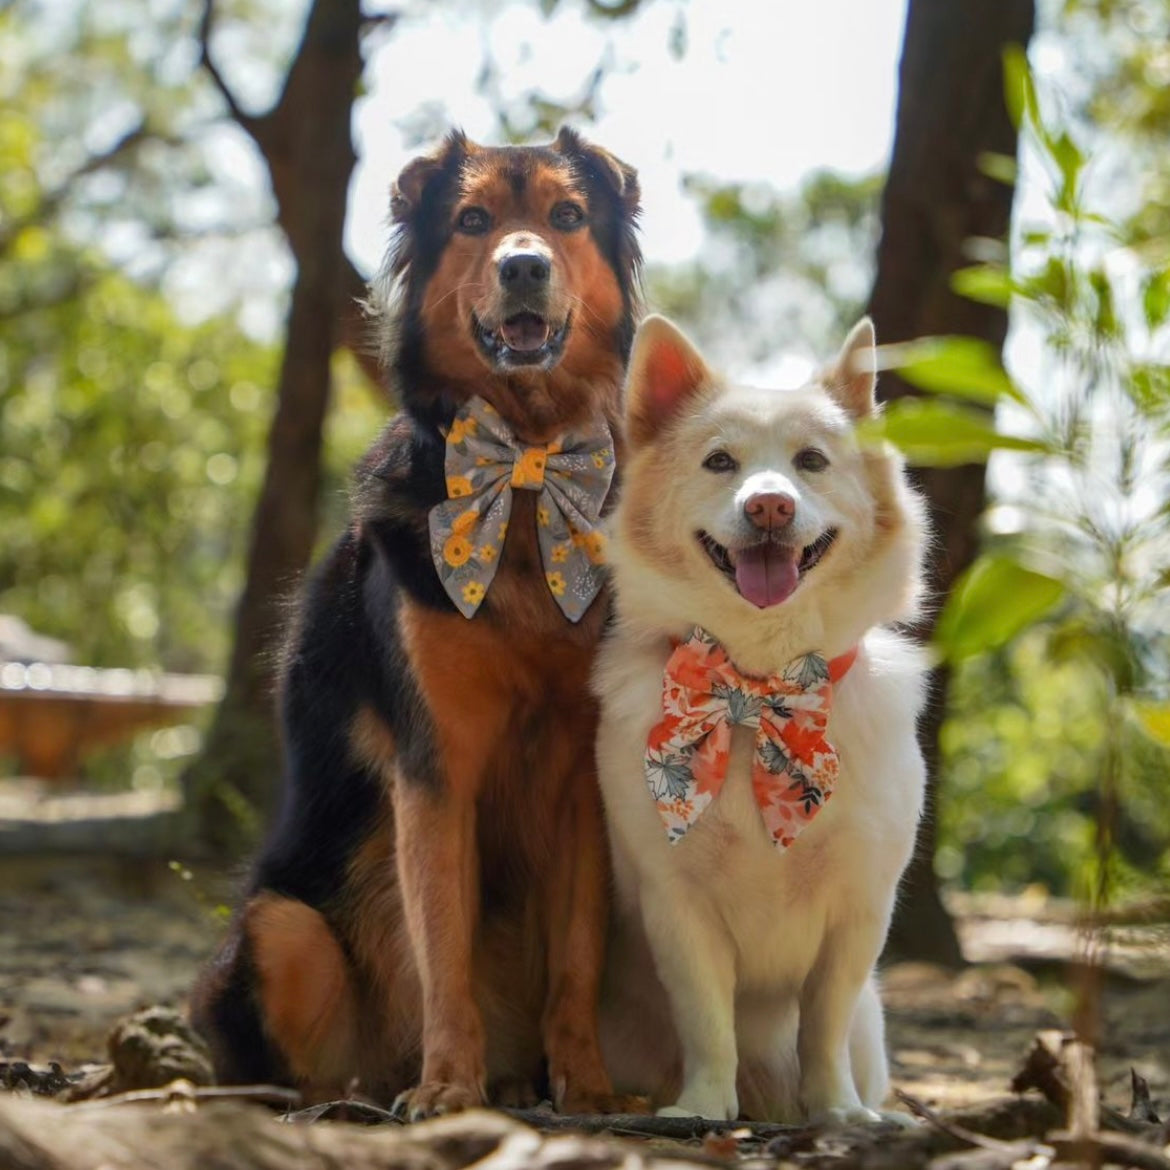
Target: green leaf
<point>963,367</point>
<point>993,601</point>
<point>935,433</point>
<point>1069,160</point>
<point>1155,720</point>
<point>1003,168</point>
<point>986,283</point>
<point>1149,387</point>
<point>1156,298</point>
<point>1018,86</point>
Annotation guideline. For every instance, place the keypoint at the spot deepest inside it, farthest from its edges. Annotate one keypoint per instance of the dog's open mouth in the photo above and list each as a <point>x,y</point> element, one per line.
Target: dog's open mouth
<point>768,572</point>
<point>523,339</point>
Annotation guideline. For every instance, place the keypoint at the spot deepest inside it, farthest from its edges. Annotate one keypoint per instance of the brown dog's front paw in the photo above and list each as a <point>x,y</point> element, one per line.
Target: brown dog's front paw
<point>434,1098</point>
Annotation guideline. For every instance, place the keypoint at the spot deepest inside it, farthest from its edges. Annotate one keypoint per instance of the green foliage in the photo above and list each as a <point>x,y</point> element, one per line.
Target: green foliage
<point>1057,633</point>
<point>991,603</point>
<point>130,450</point>
<point>782,270</point>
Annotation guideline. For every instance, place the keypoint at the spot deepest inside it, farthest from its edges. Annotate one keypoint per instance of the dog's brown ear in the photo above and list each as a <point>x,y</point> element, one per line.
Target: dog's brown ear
<point>851,379</point>
<point>666,371</point>
<point>618,177</point>
<point>410,188</point>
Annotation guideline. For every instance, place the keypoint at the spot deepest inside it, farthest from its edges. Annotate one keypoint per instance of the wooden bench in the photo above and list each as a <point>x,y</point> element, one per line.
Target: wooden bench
<point>52,713</point>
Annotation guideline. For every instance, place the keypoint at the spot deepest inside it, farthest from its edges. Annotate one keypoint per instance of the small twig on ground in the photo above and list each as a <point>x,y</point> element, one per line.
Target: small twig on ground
<point>1114,1149</point>
<point>184,1090</point>
<point>350,1109</point>
<point>648,1126</point>
<point>1141,1108</point>
<point>1015,1151</point>
<point>1054,1064</point>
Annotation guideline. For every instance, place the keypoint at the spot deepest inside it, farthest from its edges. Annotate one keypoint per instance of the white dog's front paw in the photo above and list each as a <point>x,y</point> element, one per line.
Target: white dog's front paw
<point>839,1116</point>
<point>899,1118</point>
<point>708,1102</point>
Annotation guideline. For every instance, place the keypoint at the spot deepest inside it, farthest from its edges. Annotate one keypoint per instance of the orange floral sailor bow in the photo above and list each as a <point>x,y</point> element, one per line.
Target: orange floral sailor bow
<point>794,768</point>
<point>484,462</point>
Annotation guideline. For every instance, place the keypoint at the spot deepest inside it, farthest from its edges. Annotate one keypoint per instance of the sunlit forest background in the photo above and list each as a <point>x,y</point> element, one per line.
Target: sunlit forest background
<point>172,178</point>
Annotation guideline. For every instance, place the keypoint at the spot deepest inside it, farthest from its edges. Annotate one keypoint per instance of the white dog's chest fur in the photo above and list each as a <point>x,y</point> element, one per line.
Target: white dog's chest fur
<point>771,899</point>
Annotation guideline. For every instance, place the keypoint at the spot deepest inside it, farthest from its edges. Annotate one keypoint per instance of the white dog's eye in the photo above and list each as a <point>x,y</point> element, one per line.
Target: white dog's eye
<point>720,461</point>
<point>810,459</point>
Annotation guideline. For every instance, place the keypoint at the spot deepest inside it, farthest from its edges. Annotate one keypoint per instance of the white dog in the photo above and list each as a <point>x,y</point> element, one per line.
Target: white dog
<point>758,550</point>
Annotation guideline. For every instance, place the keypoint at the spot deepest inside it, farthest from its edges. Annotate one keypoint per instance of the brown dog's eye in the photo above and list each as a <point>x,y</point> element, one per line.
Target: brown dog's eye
<point>473,221</point>
<point>567,216</point>
<point>810,459</point>
<point>720,461</point>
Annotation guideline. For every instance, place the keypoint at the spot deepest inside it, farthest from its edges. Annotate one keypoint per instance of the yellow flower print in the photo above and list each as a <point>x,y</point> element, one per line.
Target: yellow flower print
<point>542,515</point>
<point>595,547</point>
<point>556,446</point>
<point>528,470</point>
<point>465,522</point>
<point>503,532</point>
<point>601,458</point>
<point>560,554</point>
<point>487,554</point>
<point>458,485</point>
<point>578,538</point>
<point>457,550</point>
<point>484,461</point>
<point>473,593</point>
<point>461,429</point>
<point>556,584</point>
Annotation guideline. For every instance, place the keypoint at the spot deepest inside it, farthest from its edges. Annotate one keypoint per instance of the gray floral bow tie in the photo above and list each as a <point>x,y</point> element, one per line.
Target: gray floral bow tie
<point>484,463</point>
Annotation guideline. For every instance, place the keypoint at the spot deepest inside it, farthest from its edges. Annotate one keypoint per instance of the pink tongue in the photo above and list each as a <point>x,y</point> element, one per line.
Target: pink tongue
<point>766,574</point>
<point>525,332</point>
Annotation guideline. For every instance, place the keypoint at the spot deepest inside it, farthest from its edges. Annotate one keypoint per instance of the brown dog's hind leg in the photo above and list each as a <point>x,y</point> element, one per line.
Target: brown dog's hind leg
<point>306,997</point>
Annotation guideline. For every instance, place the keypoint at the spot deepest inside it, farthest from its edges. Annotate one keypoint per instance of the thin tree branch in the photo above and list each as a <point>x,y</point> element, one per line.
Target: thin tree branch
<point>243,119</point>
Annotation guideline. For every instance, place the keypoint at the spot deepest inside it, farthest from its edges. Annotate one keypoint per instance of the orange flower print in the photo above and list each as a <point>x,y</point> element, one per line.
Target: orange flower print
<point>457,550</point>
<point>461,430</point>
<point>458,485</point>
<point>542,516</point>
<point>503,532</point>
<point>556,583</point>
<point>528,470</point>
<point>595,547</point>
<point>560,554</point>
<point>577,537</point>
<point>487,554</point>
<point>600,459</point>
<point>465,522</point>
<point>473,593</point>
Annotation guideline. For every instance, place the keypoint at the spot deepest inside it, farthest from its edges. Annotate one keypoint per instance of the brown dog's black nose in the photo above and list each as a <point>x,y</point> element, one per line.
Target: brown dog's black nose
<point>524,272</point>
<point>770,510</point>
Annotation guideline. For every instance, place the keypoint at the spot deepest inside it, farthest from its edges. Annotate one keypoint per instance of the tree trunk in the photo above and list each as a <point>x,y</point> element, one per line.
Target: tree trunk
<point>305,140</point>
<point>951,110</point>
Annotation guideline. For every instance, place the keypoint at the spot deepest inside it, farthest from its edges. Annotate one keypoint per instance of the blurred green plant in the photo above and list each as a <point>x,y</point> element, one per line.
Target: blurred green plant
<point>1058,734</point>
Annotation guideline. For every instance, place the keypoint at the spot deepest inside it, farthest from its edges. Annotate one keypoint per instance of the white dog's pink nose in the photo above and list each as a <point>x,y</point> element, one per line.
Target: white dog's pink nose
<point>770,510</point>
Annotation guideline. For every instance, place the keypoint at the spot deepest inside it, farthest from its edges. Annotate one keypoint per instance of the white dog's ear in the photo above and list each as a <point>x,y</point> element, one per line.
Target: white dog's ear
<point>852,377</point>
<point>665,371</point>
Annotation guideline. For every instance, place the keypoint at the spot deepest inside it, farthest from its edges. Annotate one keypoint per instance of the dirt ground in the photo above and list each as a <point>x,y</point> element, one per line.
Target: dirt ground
<point>84,941</point>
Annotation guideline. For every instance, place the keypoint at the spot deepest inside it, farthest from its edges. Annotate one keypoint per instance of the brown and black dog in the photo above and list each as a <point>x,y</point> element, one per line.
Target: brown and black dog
<point>427,917</point>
